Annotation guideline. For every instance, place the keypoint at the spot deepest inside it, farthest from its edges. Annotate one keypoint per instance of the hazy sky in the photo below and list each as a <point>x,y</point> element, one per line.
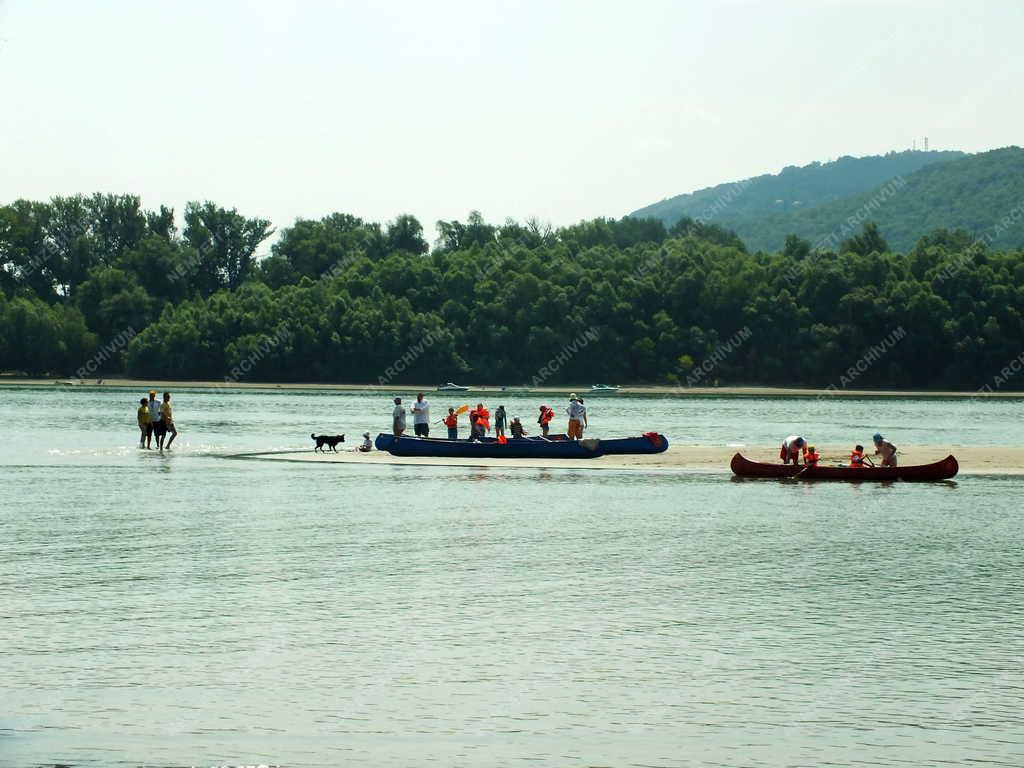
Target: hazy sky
<point>560,110</point>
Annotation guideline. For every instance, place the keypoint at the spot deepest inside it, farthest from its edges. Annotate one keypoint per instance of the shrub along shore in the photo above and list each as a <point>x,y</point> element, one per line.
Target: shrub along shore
<point>97,286</point>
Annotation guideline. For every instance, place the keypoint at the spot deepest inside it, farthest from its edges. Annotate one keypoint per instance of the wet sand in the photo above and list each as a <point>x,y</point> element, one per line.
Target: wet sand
<point>657,390</point>
<point>974,460</point>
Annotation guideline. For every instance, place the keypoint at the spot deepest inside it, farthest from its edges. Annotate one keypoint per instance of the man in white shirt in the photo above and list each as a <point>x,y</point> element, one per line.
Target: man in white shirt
<point>577,417</point>
<point>159,430</point>
<point>791,449</point>
<point>421,416</point>
<point>398,418</point>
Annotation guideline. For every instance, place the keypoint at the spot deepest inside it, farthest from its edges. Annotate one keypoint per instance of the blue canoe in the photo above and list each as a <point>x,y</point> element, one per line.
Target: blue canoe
<point>490,449</point>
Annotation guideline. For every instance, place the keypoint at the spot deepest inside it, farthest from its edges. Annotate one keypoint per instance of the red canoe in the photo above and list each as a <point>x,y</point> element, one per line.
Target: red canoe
<point>940,470</point>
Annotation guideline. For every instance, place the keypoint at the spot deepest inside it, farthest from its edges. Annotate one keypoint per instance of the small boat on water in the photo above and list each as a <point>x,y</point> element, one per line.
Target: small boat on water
<point>450,387</point>
<point>489,449</point>
<point>940,470</point>
<point>603,389</point>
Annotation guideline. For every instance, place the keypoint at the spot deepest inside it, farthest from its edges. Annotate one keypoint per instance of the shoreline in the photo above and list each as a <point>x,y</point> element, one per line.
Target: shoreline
<point>704,459</point>
<point>653,389</point>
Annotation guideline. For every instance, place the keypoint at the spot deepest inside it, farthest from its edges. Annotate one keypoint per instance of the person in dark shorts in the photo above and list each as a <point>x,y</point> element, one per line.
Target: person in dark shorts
<point>421,416</point>
<point>157,427</point>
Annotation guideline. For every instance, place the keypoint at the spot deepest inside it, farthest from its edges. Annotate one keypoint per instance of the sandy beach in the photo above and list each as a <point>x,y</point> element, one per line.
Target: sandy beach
<point>974,460</point>
<point>657,390</point>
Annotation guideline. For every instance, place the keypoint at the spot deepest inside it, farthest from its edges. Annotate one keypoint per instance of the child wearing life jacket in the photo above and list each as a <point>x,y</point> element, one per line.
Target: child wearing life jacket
<point>857,457</point>
<point>544,420</point>
<point>452,422</point>
<point>811,458</point>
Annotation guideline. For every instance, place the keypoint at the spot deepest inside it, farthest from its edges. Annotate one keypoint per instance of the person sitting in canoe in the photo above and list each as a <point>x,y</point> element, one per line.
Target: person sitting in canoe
<point>518,433</point>
<point>858,458</point>
<point>811,458</point>
<point>791,449</point>
<point>885,449</point>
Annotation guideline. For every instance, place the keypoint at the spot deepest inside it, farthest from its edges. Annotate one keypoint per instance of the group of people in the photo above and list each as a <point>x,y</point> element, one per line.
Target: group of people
<point>480,420</point>
<point>796,447</point>
<point>156,420</point>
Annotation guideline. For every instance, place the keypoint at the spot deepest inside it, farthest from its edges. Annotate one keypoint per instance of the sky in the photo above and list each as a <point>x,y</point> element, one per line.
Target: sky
<point>560,110</point>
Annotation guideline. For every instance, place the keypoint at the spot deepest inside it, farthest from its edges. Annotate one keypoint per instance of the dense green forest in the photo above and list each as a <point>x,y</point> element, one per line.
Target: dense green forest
<point>793,188</point>
<point>973,193</point>
<point>345,300</point>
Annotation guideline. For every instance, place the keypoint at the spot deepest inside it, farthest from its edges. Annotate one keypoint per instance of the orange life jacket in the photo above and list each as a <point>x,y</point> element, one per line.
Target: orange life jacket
<point>483,417</point>
<point>856,458</point>
<point>546,416</point>
<point>811,458</point>
<point>451,420</point>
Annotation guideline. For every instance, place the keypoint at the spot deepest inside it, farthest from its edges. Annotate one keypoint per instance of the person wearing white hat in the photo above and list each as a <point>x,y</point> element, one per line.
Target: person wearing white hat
<point>577,417</point>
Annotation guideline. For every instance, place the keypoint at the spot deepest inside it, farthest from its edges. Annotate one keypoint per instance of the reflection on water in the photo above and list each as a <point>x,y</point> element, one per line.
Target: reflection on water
<point>189,610</point>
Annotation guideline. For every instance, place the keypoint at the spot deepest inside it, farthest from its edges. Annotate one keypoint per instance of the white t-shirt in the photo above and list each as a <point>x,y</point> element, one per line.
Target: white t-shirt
<point>790,442</point>
<point>421,412</point>
<point>576,410</point>
<point>154,410</point>
<point>399,415</point>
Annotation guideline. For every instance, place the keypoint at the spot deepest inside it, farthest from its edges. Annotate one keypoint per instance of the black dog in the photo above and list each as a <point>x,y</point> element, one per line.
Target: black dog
<point>329,440</point>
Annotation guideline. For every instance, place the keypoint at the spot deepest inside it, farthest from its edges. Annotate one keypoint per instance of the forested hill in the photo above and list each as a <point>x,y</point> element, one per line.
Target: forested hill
<point>96,285</point>
<point>794,188</point>
<point>973,193</point>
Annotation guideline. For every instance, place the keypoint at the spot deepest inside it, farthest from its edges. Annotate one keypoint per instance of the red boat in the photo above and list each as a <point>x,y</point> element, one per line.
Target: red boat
<point>940,470</point>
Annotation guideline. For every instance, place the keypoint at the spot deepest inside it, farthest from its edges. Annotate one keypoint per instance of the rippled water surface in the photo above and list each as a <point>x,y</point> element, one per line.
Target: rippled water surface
<point>191,609</point>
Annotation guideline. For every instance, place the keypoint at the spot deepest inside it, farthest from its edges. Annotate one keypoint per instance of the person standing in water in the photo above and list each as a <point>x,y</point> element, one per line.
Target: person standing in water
<point>156,425</point>
<point>792,448</point>
<point>168,420</point>
<point>145,423</point>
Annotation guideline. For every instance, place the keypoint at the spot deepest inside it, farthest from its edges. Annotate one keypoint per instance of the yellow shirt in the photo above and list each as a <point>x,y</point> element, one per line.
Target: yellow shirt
<point>144,417</point>
<point>165,411</point>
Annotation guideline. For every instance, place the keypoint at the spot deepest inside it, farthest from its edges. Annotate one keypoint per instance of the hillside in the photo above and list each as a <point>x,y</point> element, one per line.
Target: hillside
<point>794,188</point>
<point>972,193</point>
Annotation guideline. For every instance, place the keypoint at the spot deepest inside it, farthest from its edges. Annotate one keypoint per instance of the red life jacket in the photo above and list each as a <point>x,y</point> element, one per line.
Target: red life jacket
<point>811,458</point>
<point>451,420</point>
<point>483,416</point>
<point>546,415</point>
<point>856,458</point>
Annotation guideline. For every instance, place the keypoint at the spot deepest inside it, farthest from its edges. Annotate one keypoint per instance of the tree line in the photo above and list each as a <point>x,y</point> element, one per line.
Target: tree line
<point>340,299</point>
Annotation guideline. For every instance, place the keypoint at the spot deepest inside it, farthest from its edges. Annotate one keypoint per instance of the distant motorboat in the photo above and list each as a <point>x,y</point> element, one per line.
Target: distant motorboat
<point>603,389</point>
<point>450,387</point>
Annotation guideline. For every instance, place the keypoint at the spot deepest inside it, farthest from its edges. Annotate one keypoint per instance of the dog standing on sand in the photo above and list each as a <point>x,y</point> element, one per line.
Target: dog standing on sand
<point>331,441</point>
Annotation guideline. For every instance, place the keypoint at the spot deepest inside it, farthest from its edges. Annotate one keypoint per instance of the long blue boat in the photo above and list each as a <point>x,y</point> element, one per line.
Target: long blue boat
<point>491,449</point>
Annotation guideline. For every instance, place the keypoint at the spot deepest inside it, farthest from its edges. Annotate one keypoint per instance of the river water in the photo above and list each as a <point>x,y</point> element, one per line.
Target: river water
<point>192,609</point>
